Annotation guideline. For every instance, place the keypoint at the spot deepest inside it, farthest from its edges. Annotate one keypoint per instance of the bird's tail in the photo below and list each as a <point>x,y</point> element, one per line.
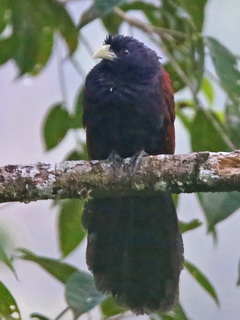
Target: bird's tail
<point>135,250</point>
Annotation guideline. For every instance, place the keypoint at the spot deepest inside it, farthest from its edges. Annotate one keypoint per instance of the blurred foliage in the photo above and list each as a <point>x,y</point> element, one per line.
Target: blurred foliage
<point>28,33</point>
<point>202,280</point>
<point>188,226</point>
<point>69,223</point>
<point>38,316</point>
<point>30,26</point>
<point>218,206</point>
<point>109,308</point>
<point>58,269</point>
<point>81,293</point>
<point>176,314</point>
<point>5,249</point>
<point>8,306</point>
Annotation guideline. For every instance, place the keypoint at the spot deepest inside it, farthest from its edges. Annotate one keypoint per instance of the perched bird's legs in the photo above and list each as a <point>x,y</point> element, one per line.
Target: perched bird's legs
<point>116,161</point>
<point>131,165</point>
<point>115,157</point>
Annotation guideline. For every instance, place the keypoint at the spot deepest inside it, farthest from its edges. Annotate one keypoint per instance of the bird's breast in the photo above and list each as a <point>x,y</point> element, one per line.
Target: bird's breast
<point>121,92</point>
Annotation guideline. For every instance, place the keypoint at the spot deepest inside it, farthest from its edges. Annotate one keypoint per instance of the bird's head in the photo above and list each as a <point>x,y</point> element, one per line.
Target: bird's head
<point>126,54</point>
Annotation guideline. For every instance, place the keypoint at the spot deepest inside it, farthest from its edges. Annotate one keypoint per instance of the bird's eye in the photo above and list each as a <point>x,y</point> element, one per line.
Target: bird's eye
<point>125,52</point>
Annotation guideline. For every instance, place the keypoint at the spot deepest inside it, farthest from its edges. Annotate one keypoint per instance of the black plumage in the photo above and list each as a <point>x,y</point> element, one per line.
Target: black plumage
<point>134,248</point>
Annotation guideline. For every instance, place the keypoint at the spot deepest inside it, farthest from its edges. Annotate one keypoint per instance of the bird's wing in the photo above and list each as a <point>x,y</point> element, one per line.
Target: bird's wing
<point>169,131</point>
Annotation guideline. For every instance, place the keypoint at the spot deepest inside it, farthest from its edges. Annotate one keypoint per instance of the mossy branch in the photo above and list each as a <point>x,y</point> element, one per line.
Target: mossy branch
<point>194,172</point>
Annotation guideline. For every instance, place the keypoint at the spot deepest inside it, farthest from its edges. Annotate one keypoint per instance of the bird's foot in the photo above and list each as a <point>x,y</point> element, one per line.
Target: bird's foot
<point>131,164</point>
<point>115,159</point>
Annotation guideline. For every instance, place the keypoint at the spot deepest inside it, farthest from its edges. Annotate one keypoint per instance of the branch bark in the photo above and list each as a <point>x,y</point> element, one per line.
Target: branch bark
<point>194,172</point>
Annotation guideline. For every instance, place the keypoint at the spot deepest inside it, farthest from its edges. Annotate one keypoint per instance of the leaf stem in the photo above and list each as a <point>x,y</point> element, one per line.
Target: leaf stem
<point>61,76</point>
<point>87,45</point>
<point>78,67</point>
<point>146,27</point>
<point>62,313</point>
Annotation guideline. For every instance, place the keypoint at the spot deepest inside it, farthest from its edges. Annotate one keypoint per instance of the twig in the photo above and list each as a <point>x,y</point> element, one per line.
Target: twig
<point>146,27</point>
<point>61,76</point>
<point>212,76</point>
<point>78,67</point>
<point>219,129</point>
<point>87,45</point>
<point>175,65</point>
<point>62,313</point>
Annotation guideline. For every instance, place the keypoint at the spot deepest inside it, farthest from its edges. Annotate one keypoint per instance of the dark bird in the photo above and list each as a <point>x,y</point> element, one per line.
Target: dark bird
<point>134,249</point>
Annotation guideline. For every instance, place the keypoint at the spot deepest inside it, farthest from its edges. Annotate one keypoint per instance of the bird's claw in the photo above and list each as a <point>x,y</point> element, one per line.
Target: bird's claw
<point>131,164</point>
<point>115,159</point>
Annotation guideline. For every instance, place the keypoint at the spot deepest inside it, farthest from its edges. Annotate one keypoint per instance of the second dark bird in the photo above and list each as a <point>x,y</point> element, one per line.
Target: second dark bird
<point>135,249</point>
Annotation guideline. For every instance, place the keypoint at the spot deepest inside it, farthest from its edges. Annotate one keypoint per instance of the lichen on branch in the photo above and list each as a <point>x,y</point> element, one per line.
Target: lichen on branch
<point>194,172</point>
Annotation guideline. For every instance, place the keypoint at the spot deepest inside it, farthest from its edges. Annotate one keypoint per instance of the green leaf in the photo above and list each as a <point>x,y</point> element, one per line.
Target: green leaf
<point>151,11</point>
<point>180,313</point>
<point>112,22</point>
<point>70,230</point>
<point>27,31</point>
<point>60,270</point>
<point>81,293</point>
<point>208,90</point>
<point>5,243</point>
<point>175,198</point>
<point>185,111</point>
<point>57,17</point>
<point>187,48</point>
<point>219,206</point>
<point>177,313</point>
<point>56,126</point>
<point>46,40</point>
<point>110,308</point>
<point>78,155</point>
<point>204,135</point>
<point>202,280</point>
<point>226,67</point>
<point>188,226</point>
<point>99,9</point>
<point>5,259</point>
<point>106,6</point>
<point>196,65</point>
<point>232,122</point>
<point>4,14</point>
<point>8,306</point>
<point>38,316</point>
<point>195,9</point>
<point>33,24</point>
<point>73,155</point>
<point>76,118</point>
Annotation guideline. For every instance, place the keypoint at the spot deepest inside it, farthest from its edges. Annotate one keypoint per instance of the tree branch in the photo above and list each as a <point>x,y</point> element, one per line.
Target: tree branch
<point>147,27</point>
<point>194,172</point>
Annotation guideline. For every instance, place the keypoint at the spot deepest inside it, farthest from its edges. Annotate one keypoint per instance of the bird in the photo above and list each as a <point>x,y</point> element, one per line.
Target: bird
<point>134,247</point>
